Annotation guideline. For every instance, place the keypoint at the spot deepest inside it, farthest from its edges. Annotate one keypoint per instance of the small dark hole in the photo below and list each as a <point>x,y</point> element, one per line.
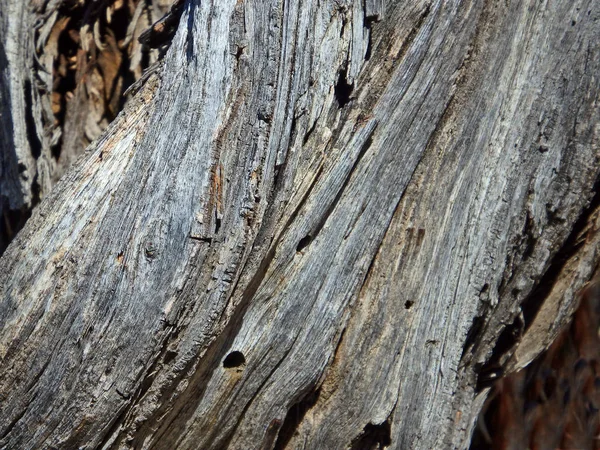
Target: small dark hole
<point>303,243</point>
<point>264,116</point>
<point>239,52</point>
<point>408,304</point>
<point>370,41</point>
<point>234,359</point>
<point>169,356</point>
<point>343,90</point>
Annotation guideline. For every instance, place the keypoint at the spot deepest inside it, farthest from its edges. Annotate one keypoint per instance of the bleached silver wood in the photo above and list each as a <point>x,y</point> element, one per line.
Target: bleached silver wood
<point>358,207</point>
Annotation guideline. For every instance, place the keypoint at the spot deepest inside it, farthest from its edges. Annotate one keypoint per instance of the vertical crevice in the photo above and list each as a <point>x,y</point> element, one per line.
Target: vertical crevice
<point>35,144</point>
<point>293,418</point>
<point>343,89</point>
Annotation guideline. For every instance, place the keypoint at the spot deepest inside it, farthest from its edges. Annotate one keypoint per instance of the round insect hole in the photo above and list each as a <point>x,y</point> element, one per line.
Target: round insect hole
<point>408,304</point>
<point>233,360</point>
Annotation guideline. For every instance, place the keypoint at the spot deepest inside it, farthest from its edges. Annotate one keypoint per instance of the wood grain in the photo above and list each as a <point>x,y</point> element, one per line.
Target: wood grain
<point>323,224</point>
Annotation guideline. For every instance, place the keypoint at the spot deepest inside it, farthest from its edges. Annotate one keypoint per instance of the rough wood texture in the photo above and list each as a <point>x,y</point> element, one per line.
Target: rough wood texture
<point>323,224</point>
<point>65,65</point>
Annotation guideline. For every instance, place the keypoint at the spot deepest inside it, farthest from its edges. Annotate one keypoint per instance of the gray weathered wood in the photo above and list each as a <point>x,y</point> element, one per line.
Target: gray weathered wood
<point>319,226</point>
<point>63,71</point>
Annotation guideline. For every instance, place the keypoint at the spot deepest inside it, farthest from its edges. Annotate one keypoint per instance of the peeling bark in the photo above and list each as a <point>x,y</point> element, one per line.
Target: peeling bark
<point>316,224</point>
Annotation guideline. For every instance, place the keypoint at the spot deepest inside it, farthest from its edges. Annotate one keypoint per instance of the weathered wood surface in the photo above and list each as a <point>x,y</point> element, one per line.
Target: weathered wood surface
<point>324,224</point>
<point>64,67</point>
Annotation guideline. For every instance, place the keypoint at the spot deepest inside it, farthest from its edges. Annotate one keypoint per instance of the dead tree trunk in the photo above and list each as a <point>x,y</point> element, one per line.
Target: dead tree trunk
<point>318,224</point>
